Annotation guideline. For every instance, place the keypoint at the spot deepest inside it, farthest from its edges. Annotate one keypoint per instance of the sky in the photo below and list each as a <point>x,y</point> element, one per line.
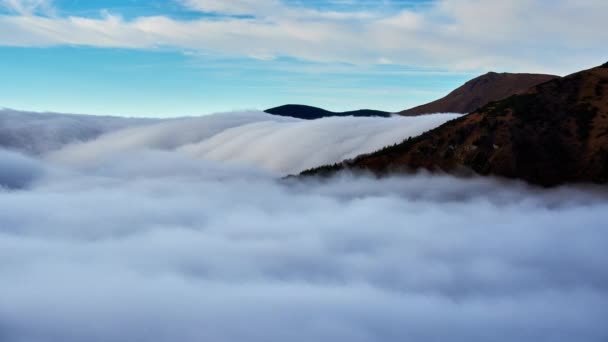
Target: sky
<point>190,57</point>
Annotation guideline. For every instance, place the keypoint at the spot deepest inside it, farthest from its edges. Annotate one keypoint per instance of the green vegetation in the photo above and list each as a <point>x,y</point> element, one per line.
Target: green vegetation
<point>324,170</point>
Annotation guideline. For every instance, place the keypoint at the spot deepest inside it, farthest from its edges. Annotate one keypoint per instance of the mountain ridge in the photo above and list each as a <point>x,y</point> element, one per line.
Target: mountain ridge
<point>554,133</point>
<point>480,91</point>
<point>311,113</point>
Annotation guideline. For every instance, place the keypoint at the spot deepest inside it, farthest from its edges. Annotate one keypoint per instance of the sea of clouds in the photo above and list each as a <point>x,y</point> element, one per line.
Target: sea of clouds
<point>276,144</point>
<point>184,230</point>
<point>39,133</point>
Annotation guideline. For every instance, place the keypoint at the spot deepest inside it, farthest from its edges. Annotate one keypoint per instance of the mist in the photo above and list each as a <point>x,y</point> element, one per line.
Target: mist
<point>282,145</point>
<point>255,139</point>
<point>38,133</point>
<point>178,232</point>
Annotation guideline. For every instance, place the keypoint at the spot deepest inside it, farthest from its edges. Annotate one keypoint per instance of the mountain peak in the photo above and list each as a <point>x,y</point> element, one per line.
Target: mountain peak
<point>480,91</point>
<point>555,133</point>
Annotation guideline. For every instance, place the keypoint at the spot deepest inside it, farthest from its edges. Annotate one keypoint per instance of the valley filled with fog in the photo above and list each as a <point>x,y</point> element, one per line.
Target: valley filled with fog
<point>185,229</point>
<point>250,139</point>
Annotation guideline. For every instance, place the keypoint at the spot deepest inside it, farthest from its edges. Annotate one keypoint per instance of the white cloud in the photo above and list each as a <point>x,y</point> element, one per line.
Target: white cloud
<point>27,7</point>
<point>148,243</point>
<point>18,171</point>
<point>160,247</point>
<point>522,35</point>
<point>39,133</point>
<point>239,7</point>
<point>272,143</point>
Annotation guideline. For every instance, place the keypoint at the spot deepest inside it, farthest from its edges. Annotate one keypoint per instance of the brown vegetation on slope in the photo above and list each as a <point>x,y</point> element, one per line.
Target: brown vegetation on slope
<point>481,91</point>
<point>554,133</point>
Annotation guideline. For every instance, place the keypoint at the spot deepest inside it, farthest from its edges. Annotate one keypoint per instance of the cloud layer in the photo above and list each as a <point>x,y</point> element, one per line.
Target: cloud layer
<point>39,133</point>
<point>18,171</point>
<point>139,236</point>
<point>273,143</point>
<point>519,35</point>
<point>161,247</point>
<point>281,145</point>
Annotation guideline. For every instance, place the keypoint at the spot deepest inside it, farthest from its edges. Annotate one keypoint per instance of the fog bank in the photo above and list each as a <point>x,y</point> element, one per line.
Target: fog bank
<point>183,230</point>
<point>254,139</point>
<point>39,133</point>
<point>163,247</point>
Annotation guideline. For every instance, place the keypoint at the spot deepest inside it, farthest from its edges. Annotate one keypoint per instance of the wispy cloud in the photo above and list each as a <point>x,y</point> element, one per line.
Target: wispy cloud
<point>449,34</point>
<point>27,7</point>
<point>239,7</point>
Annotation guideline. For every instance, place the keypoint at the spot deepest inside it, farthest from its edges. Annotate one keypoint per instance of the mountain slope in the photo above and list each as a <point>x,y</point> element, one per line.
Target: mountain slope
<point>481,91</point>
<point>555,133</point>
<point>311,113</point>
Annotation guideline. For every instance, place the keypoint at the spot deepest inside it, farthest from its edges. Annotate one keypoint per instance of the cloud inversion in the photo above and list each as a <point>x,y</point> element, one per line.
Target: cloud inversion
<point>274,143</point>
<point>156,244</point>
<point>39,133</point>
<point>163,248</point>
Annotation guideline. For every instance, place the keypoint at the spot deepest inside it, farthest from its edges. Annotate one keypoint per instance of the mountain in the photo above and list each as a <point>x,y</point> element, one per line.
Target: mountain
<point>465,99</point>
<point>481,91</point>
<point>554,133</point>
<point>311,113</point>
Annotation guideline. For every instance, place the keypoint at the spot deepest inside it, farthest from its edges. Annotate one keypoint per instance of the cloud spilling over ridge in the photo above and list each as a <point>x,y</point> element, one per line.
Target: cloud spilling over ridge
<point>38,133</point>
<point>273,143</point>
<point>147,233</point>
<point>164,247</point>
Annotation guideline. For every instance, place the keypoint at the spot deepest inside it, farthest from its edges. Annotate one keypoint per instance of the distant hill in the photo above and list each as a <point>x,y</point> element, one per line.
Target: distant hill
<point>311,113</point>
<point>554,133</point>
<point>481,91</point>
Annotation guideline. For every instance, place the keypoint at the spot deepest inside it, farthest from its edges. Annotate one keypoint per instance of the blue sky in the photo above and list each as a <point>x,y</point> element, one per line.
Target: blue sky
<point>176,9</point>
<point>190,57</point>
<point>167,83</point>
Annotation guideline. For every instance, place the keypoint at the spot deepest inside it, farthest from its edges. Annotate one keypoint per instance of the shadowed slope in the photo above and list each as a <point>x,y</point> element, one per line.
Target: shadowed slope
<point>311,113</point>
<point>555,133</point>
